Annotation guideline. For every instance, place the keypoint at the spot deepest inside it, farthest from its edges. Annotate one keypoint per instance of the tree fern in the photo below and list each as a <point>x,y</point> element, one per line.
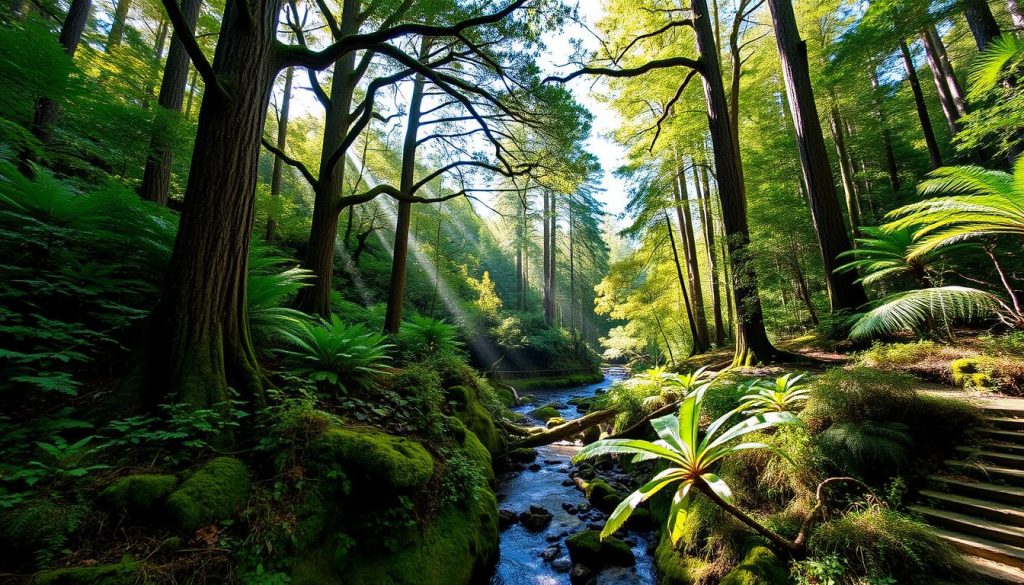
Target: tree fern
<point>913,309</point>
<point>989,65</point>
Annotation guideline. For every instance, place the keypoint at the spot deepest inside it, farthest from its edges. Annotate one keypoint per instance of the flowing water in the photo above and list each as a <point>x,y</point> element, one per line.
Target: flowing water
<point>521,562</point>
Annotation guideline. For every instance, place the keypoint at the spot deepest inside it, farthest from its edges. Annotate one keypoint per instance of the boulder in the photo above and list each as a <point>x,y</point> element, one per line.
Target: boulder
<point>536,518</point>
<point>587,548</point>
<point>215,492</point>
<point>141,495</point>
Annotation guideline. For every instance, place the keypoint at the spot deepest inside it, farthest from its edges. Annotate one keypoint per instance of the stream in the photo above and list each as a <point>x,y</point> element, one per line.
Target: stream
<point>521,561</point>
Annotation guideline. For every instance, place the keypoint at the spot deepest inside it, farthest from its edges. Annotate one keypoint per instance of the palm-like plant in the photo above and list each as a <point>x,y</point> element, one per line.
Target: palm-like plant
<point>338,354</point>
<point>691,460</point>
<point>270,287</point>
<point>431,335</point>
<point>976,204</point>
<point>885,255</point>
<point>784,394</point>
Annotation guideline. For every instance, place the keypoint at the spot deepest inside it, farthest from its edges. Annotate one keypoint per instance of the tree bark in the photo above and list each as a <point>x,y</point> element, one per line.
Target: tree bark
<point>199,341</point>
<point>282,142</point>
<point>922,108</point>
<point>844,292</point>
<point>949,110</point>
<point>545,252</point>
<point>70,36</point>
<point>752,343</point>
<point>701,342</point>
<point>890,156</point>
<point>566,430</point>
<point>845,170</point>
<point>696,345</point>
<point>955,89</point>
<point>980,20</point>
<point>156,178</point>
<point>323,233</point>
<point>117,25</point>
<point>707,221</point>
<point>396,289</point>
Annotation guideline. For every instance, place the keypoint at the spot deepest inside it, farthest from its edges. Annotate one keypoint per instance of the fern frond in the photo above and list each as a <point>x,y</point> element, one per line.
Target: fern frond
<point>911,309</point>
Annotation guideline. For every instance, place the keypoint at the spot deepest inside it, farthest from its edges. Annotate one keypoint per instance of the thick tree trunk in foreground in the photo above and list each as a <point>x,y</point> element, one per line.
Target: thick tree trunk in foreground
<point>70,35</point>
<point>844,291</point>
<point>701,343</point>
<point>707,221</point>
<point>199,342</point>
<point>752,343</point>
<point>922,108</point>
<point>156,179</point>
<point>396,290</point>
<point>980,20</point>
<point>117,25</point>
<point>282,142</point>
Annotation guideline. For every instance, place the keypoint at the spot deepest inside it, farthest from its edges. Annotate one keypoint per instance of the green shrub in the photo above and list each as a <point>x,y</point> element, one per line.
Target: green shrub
<point>868,447</point>
<point>423,336</point>
<point>856,395</point>
<point>338,355</point>
<point>1002,373</point>
<point>272,284</point>
<point>877,542</point>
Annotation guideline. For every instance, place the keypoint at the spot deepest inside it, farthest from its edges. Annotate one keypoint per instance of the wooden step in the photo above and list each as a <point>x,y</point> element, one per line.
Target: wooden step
<point>1006,459</point>
<point>1006,422</point>
<point>1003,446</point>
<point>989,472</point>
<point>964,524</point>
<point>994,573</point>
<point>998,511</point>
<point>986,549</point>
<point>1004,435</point>
<point>979,489</point>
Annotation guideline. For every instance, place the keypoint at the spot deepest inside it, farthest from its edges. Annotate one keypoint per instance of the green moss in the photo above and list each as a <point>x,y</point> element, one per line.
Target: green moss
<point>214,492</point>
<point>374,458</point>
<point>556,421</point>
<point>122,573</point>
<point>505,395</point>
<point>759,567</point>
<point>989,373</point>
<point>674,567</point>
<point>479,454</point>
<point>141,494</point>
<point>591,435</point>
<point>522,455</point>
<point>478,420</point>
<point>602,495</point>
<point>588,549</point>
<point>456,547</point>
<point>547,382</point>
<point>545,413</point>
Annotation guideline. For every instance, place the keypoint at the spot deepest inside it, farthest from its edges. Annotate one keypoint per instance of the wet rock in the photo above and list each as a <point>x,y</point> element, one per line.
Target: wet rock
<point>518,467</point>
<point>522,455</point>
<point>568,483</point>
<point>536,518</point>
<point>551,553</point>
<point>552,461</point>
<point>569,508</point>
<point>561,565</point>
<point>591,435</point>
<point>587,548</point>
<point>580,575</point>
<point>534,467</point>
<point>506,518</point>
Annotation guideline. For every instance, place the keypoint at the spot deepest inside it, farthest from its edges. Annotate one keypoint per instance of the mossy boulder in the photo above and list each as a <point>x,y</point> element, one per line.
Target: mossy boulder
<point>373,458</point>
<point>470,409</point>
<point>214,492</point>
<point>478,453</point>
<point>674,567</point>
<point>602,495</point>
<point>545,413</point>
<point>591,435</point>
<point>759,567</point>
<point>555,421</point>
<point>141,495</point>
<point>505,395</point>
<point>458,546</point>
<point>522,455</point>
<point>589,550</point>
<point>125,572</point>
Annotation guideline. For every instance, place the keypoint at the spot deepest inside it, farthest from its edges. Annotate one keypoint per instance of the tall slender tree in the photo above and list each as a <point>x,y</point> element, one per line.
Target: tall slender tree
<point>70,36</point>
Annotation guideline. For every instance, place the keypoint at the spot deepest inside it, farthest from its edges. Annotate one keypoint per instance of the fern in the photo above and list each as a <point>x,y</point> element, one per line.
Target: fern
<point>913,309</point>
<point>867,446</point>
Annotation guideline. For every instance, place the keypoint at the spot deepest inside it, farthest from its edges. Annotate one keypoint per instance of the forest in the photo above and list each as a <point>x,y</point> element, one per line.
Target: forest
<point>516,292</point>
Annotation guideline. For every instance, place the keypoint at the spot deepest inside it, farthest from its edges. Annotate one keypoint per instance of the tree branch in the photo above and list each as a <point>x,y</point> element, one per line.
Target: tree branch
<point>313,182</point>
<point>195,53</point>
<point>634,72</point>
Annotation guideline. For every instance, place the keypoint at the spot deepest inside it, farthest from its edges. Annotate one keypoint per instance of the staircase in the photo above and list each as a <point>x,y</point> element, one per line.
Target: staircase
<point>977,504</point>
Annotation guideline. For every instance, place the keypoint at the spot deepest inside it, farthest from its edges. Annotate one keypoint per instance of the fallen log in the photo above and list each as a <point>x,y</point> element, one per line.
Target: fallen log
<point>634,430</point>
<point>513,429</point>
<point>566,430</point>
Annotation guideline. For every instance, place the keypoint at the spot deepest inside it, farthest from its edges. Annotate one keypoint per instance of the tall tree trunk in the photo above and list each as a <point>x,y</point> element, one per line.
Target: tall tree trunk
<point>752,343</point>
<point>801,281</point>
<point>117,24</point>
<point>158,53</point>
<point>890,156</point>
<point>400,259</point>
<point>941,82</point>
<point>701,342</point>
<point>552,262</point>
<point>694,334</point>
<point>323,232</point>
<point>191,93</point>
<point>980,20</point>
<point>156,178</point>
<point>70,35</point>
<point>845,170</point>
<point>199,341</point>
<point>1016,14</point>
<point>707,221</point>
<point>844,292</point>
<point>282,142</point>
<point>956,90</point>
<point>922,108</point>
<point>546,253</point>
<point>572,276</point>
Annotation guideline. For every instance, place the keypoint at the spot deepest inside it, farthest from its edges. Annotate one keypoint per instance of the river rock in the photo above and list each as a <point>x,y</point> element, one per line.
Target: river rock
<point>587,548</point>
<point>534,467</point>
<point>561,565</point>
<point>580,575</point>
<point>536,518</point>
<point>551,553</point>
<point>506,518</point>
<point>568,483</point>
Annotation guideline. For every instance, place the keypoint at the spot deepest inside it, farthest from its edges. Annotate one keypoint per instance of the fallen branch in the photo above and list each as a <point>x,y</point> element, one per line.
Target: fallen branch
<point>513,429</point>
<point>565,430</point>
